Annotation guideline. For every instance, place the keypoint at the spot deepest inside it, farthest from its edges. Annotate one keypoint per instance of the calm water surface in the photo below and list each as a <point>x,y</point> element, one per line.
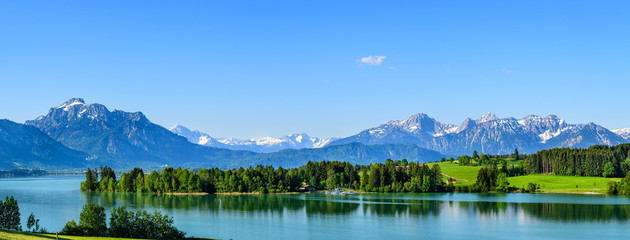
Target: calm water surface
<point>57,199</point>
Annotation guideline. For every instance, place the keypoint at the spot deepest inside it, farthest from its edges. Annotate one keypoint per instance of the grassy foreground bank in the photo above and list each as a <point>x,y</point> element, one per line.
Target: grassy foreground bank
<point>467,175</point>
<point>17,235</point>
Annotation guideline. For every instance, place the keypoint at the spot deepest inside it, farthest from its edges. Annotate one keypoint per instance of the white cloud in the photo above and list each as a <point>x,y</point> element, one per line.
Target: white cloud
<point>371,60</point>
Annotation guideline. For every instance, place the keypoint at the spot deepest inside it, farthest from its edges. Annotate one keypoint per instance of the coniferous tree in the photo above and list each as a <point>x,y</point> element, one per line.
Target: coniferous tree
<point>515,155</point>
<point>10,214</point>
<point>32,222</point>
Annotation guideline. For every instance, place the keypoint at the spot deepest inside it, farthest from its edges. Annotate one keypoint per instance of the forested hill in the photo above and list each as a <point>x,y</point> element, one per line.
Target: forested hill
<point>23,146</point>
<point>593,161</point>
<point>355,153</point>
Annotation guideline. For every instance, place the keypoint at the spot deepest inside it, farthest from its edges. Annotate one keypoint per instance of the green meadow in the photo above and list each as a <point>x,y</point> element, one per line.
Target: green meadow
<point>467,175</point>
<point>563,184</point>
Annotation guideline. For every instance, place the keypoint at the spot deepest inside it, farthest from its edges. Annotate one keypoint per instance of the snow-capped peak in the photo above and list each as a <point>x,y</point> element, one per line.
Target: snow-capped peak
<point>72,102</point>
<point>257,144</point>
<point>487,118</point>
<point>192,136</point>
<point>545,127</point>
<point>417,123</point>
<point>622,132</point>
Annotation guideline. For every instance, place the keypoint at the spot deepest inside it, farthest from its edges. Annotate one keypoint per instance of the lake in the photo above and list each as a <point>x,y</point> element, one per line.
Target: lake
<point>57,199</point>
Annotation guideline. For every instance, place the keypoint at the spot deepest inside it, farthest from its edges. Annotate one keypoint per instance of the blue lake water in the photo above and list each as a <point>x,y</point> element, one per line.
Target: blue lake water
<point>57,199</point>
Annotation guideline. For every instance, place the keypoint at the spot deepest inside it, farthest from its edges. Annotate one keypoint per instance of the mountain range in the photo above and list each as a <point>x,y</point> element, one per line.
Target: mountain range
<point>125,139</point>
<point>76,134</point>
<point>489,134</point>
<point>259,144</point>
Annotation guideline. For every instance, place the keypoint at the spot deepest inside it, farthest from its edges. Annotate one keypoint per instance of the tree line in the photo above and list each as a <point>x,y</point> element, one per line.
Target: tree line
<point>391,176</point>
<point>263,179</point>
<point>595,161</point>
<point>484,159</point>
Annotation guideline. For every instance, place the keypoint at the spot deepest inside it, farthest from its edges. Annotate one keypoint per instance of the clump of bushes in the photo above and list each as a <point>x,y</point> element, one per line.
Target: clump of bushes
<point>123,223</point>
<point>531,187</point>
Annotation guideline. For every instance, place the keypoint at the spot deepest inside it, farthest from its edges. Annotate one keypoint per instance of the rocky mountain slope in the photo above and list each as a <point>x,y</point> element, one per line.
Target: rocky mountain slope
<point>23,146</point>
<point>126,139</point>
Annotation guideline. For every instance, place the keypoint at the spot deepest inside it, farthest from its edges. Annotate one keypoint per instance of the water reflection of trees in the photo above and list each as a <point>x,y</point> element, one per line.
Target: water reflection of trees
<point>245,203</point>
<point>486,208</point>
<point>577,212</point>
<point>398,207</point>
<point>276,203</point>
<point>316,204</point>
<point>331,205</point>
<point>554,211</point>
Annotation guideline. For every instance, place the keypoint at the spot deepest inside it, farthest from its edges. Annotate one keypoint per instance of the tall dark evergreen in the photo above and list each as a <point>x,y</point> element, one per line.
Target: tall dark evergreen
<point>10,214</point>
<point>91,181</point>
<point>32,223</point>
<point>515,155</point>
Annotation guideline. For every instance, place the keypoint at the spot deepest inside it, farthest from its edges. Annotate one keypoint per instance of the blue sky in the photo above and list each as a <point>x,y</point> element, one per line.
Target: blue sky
<point>263,68</point>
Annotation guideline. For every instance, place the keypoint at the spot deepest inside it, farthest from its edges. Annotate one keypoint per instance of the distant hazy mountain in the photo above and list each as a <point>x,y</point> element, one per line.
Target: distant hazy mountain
<point>488,134</point>
<point>124,139</point>
<point>356,153</point>
<point>23,146</point>
<point>262,144</point>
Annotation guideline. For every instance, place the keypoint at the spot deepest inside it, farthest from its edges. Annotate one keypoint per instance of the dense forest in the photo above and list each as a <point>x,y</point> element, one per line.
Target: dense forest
<point>403,177</point>
<point>392,176</point>
<point>596,161</point>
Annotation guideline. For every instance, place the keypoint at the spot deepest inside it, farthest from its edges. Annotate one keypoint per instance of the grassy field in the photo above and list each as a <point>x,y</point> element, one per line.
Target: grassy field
<point>467,175</point>
<point>16,235</point>
<point>563,184</point>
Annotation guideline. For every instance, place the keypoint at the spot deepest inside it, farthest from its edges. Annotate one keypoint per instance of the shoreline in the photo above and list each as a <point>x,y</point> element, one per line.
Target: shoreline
<point>357,192</point>
<point>253,193</point>
<point>181,194</point>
